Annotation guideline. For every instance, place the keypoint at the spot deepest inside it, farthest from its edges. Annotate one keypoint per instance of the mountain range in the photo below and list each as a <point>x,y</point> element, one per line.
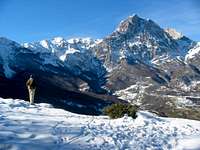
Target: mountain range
<point>140,62</point>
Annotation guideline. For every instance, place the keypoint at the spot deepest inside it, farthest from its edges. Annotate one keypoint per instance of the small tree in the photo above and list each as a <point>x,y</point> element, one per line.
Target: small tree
<point>119,110</point>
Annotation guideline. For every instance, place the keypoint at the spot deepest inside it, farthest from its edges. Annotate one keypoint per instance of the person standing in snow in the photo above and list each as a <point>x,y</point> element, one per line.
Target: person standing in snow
<point>31,88</point>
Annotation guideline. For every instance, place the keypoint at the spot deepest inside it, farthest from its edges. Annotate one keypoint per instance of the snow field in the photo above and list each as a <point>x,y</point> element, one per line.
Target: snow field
<point>39,126</point>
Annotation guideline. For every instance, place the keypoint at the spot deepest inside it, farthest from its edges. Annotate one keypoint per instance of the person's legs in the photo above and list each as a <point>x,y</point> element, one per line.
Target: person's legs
<point>31,95</point>
<point>29,92</point>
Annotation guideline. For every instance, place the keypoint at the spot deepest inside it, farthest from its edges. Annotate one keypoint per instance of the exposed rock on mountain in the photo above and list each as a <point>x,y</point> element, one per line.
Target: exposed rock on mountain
<point>137,39</point>
<point>173,33</point>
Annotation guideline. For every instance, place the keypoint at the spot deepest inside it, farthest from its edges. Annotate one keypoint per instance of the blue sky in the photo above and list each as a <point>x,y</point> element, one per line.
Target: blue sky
<point>33,20</point>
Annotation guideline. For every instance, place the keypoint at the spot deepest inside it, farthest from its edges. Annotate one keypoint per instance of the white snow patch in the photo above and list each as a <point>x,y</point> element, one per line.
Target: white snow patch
<point>189,143</point>
<point>7,71</point>
<point>132,94</point>
<point>58,40</point>
<point>183,101</point>
<point>193,52</point>
<point>97,41</point>
<point>45,44</point>
<point>67,52</point>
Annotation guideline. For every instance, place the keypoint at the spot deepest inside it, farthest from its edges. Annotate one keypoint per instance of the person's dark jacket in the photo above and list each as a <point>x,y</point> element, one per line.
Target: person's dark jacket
<point>31,83</point>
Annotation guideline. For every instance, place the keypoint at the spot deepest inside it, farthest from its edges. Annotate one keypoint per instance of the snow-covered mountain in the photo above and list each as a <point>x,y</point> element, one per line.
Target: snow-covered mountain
<point>75,56</point>
<point>70,84</point>
<point>193,53</point>
<point>40,127</point>
<point>135,39</point>
<point>138,53</point>
<point>138,39</point>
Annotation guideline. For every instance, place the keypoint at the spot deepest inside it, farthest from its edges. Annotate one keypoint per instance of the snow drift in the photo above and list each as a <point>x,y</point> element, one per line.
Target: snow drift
<point>40,126</point>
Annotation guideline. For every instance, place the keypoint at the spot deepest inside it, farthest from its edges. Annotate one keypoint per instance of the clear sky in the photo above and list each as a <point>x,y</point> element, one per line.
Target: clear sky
<point>33,20</point>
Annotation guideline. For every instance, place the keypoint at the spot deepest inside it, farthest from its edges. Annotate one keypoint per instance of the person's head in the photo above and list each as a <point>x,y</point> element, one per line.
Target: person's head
<point>31,76</point>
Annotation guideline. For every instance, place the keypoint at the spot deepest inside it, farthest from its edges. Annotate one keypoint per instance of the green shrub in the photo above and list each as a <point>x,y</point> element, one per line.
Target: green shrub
<point>119,110</point>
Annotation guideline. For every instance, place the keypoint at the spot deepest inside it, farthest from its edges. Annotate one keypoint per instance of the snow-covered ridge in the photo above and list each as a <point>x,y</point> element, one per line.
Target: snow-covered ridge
<point>74,55</point>
<point>145,40</point>
<point>62,47</point>
<point>42,127</point>
<point>193,52</point>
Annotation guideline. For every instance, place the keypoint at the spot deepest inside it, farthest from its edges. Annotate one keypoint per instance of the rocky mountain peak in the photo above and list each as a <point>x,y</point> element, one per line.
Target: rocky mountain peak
<point>129,23</point>
<point>173,33</point>
<point>59,41</point>
<point>135,24</point>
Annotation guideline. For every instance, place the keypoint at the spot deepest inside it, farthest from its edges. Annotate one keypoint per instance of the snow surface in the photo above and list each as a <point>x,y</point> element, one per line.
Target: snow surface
<point>39,126</point>
<point>193,52</point>
<point>131,94</point>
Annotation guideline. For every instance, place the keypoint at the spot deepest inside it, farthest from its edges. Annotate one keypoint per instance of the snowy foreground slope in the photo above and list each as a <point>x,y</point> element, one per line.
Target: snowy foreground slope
<point>39,126</point>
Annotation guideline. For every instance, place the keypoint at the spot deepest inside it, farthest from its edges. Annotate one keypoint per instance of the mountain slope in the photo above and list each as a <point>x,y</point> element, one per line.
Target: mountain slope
<point>53,76</point>
<point>75,58</point>
<point>139,39</point>
<point>8,49</point>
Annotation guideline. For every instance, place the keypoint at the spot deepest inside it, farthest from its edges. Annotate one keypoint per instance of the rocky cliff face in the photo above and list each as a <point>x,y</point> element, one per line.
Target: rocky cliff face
<point>137,39</point>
